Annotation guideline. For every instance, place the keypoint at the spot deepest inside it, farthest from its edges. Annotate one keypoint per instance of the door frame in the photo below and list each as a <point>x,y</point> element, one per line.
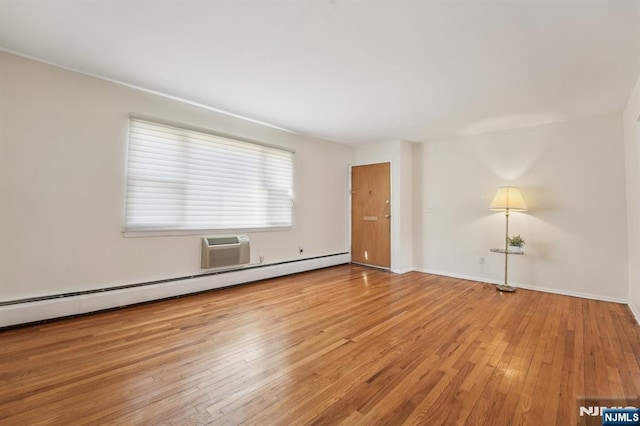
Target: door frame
<point>393,206</point>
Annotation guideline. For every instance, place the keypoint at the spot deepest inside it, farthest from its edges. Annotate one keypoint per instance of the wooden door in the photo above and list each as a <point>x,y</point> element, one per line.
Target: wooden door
<point>371,215</point>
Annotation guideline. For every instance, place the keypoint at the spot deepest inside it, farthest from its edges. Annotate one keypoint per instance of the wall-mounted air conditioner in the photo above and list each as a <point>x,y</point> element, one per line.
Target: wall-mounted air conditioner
<point>219,252</point>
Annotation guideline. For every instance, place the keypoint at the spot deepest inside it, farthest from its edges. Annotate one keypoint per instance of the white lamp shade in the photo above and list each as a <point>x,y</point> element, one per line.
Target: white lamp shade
<point>508,198</point>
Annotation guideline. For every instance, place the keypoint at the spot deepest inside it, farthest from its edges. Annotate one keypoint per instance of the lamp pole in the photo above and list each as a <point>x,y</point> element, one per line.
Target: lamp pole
<point>506,287</point>
<point>506,247</point>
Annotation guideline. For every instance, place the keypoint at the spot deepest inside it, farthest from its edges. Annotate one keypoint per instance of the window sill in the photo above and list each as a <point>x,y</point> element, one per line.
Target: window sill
<point>184,232</point>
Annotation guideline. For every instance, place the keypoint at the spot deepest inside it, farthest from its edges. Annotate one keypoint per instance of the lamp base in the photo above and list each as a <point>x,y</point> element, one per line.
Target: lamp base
<point>506,288</point>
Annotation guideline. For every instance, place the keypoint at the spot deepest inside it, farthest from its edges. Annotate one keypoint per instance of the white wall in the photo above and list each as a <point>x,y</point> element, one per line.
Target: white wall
<point>632,166</point>
<point>63,140</point>
<point>572,177</point>
<point>398,153</point>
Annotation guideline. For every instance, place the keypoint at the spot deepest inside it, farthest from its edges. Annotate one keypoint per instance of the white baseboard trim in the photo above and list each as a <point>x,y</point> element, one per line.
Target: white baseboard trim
<point>574,294</point>
<point>635,312</point>
<point>403,271</point>
<point>33,311</point>
<point>529,287</point>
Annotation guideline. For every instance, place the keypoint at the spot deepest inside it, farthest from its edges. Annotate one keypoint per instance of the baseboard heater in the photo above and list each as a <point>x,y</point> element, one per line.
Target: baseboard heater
<point>220,252</point>
<point>32,310</point>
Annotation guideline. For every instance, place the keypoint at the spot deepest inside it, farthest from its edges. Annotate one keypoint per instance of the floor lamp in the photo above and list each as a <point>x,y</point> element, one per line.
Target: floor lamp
<point>507,199</point>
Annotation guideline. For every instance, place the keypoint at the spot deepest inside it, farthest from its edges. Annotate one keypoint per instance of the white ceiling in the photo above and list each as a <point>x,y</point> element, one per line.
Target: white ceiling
<point>351,71</point>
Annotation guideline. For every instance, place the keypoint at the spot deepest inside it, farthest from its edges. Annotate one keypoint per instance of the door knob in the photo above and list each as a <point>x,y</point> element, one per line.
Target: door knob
<point>387,216</point>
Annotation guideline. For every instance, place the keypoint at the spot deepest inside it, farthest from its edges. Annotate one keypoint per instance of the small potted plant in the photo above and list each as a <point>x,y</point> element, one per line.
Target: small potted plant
<point>516,243</point>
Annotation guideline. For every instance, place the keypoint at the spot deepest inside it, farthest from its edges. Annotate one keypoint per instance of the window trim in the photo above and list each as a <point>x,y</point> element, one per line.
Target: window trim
<point>185,232</point>
<point>135,233</point>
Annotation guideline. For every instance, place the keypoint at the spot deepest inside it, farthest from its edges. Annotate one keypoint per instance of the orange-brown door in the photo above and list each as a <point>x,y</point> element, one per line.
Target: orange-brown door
<point>371,215</point>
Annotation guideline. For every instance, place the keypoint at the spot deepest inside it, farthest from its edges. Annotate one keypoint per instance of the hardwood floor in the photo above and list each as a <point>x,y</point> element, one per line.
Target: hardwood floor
<point>345,345</point>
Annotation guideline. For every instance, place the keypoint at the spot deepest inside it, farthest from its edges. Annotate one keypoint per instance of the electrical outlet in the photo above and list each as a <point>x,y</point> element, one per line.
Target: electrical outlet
<point>481,260</point>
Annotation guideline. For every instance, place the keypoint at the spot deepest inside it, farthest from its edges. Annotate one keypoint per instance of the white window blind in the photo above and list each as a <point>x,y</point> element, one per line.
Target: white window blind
<point>182,179</point>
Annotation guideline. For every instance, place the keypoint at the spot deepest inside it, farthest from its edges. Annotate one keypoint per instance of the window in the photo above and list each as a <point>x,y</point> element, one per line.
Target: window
<point>185,179</point>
